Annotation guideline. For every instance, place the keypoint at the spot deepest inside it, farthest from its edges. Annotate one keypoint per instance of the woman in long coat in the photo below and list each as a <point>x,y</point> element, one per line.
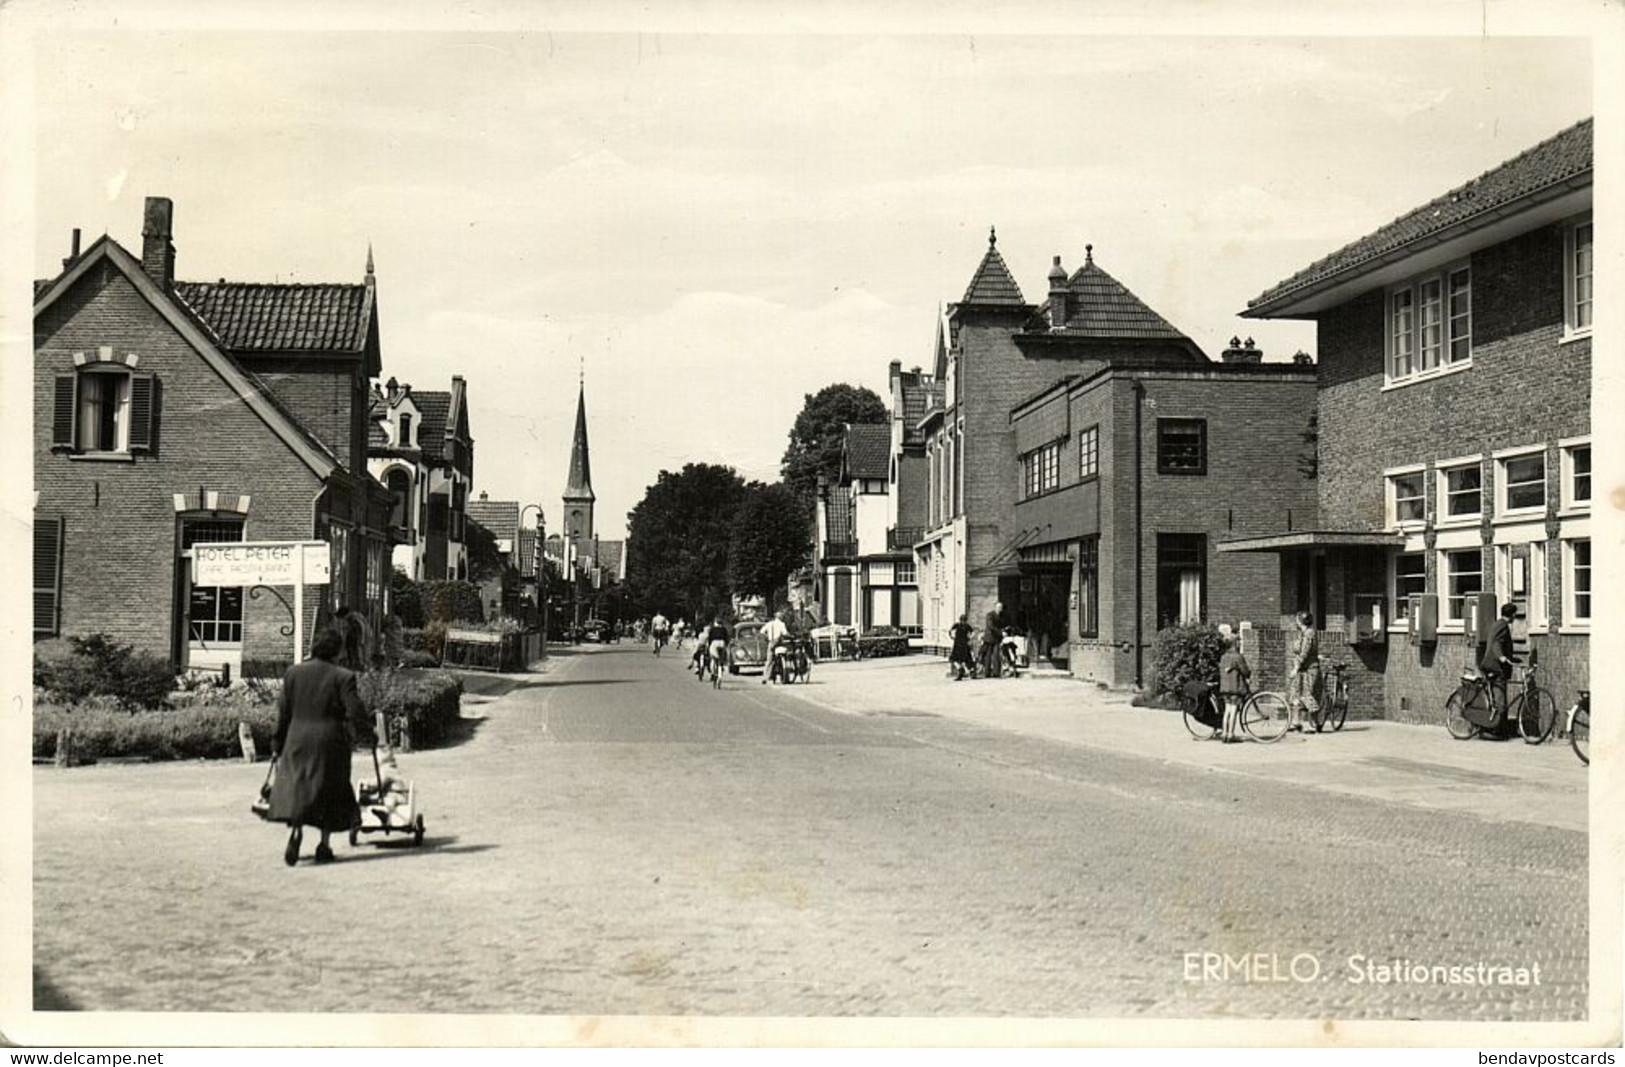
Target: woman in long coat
<point>312,748</point>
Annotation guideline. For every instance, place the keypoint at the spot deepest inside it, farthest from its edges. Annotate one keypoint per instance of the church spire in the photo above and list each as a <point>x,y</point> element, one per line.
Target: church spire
<point>579,486</point>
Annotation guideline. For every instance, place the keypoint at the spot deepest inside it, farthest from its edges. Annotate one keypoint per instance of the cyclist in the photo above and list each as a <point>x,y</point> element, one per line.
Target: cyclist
<point>716,642</point>
<point>659,630</point>
<point>1498,659</point>
<point>702,650</point>
<point>775,634</point>
<point>1305,673</point>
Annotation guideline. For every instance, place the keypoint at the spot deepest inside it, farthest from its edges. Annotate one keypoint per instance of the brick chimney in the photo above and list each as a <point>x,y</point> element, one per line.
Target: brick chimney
<point>157,248</point>
<point>1303,359</point>
<point>1057,295</point>
<point>73,256</point>
<point>1240,352</point>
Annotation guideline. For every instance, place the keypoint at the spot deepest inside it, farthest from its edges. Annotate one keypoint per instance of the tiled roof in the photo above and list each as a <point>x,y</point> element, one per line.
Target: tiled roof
<point>1101,306</point>
<point>992,283</point>
<point>252,317</point>
<point>376,410</point>
<point>919,398</point>
<point>609,556</point>
<point>838,516</point>
<point>1559,158</point>
<point>868,450</point>
<point>433,407</point>
<point>501,517</point>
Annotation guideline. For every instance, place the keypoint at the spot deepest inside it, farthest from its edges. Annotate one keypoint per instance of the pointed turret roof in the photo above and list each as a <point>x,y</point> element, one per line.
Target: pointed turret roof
<point>992,282</point>
<point>1102,306</point>
<point>579,487</point>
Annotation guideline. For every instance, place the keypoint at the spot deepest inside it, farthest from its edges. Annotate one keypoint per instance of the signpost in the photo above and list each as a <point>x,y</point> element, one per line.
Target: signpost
<point>268,563</point>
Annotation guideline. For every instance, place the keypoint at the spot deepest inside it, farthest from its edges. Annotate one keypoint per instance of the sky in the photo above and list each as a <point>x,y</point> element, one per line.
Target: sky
<point>706,228</point>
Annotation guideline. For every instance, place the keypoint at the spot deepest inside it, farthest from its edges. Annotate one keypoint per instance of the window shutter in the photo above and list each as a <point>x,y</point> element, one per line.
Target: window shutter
<point>143,388</point>
<point>47,575</point>
<point>66,401</point>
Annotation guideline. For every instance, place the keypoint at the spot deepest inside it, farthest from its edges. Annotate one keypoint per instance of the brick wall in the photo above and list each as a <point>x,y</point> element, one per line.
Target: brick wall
<point>1523,387</point>
<point>120,539</point>
<point>325,395</point>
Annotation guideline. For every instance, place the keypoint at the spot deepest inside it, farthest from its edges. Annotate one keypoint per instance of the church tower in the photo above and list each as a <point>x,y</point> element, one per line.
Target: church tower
<point>578,494</point>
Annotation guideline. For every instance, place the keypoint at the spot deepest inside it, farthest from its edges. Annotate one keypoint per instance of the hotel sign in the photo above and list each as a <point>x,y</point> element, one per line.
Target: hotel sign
<point>261,563</point>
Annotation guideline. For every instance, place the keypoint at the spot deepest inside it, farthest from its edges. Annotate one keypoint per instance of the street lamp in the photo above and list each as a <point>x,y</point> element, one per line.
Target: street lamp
<point>538,560</point>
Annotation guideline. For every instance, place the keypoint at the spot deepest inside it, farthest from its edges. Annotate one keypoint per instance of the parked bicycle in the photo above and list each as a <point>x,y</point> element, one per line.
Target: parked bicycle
<point>1471,709</point>
<point>1334,703</point>
<point>1264,716</point>
<point>1578,725</point>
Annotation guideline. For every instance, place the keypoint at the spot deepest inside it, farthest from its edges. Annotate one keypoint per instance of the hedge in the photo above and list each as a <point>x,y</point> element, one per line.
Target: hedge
<point>426,702</point>
<point>75,668</point>
<point>451,602</point>
<point>882,641</point>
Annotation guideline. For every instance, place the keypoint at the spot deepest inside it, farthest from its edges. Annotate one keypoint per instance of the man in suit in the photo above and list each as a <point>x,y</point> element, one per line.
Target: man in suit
<point>1498,658</point>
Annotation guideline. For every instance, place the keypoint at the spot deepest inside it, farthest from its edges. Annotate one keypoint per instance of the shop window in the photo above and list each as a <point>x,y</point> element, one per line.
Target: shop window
<point>1463,571</point>
<point>1181,446</point>
<point>214,612</point>
<point>1181,579</point>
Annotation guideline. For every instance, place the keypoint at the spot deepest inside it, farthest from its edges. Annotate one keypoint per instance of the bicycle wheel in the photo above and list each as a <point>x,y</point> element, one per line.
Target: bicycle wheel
<point>1454,719</point>
<point>1198,729</point>
<point>1339,713</point>
<point>1537,715</point>
<point>1265,716</point>
<point>1580,735</point>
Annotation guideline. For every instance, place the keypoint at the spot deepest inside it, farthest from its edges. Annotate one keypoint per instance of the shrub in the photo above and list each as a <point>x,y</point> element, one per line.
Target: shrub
<point>203,731</point>
<point>450,602</point>
<point>406,599</point>
<point>1183,654</point>
<point>419,659</point>
<point>426,702</point>
<point>97,665</point>
<point>881,641</point>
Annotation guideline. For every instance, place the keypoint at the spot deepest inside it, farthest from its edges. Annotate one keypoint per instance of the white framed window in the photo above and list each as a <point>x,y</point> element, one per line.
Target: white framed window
<point>1520,483</point>
<point>1462,571</point>
<point>1539,611</point>
<point>1576,475</point>
<point>1041,470</point>
<point>1577,583</point>
<point>1578,285</point>
<point>103,424</point>
<point>1407,577</point>
<point>1406,497</point>
<point>1461,491</point>
<point>905,573</point>
<point>1430,324</point>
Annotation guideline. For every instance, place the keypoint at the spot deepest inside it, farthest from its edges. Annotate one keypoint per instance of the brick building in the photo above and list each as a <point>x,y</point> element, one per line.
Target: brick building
<point>420,448</point>
<point>1454,433</point>
<point>996,354</point>
<point>1130,475</point>
<point>174,413</point>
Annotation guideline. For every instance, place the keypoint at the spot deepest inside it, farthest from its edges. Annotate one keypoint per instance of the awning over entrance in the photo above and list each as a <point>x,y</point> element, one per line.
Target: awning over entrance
<point>1308,540</point>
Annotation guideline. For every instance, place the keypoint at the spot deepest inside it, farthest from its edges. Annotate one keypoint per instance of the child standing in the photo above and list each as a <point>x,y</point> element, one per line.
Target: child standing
<point>1233,675</point>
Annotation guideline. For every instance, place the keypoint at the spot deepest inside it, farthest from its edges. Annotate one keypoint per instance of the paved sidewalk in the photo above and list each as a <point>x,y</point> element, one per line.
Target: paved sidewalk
<point>1420,766</point>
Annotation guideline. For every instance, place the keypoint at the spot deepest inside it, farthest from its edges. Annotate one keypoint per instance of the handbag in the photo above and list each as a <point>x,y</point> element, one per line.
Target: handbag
<point>262,803</point>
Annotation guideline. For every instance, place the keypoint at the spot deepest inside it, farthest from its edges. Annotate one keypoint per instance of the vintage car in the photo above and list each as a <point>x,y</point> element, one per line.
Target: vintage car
<point>747,649</point>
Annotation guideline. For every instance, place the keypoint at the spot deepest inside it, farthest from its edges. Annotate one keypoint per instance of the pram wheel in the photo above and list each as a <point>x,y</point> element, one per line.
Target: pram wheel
<point>417,832</point>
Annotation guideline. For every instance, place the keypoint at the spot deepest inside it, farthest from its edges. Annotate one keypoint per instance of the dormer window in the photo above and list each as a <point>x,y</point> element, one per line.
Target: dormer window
<point>406,431</point>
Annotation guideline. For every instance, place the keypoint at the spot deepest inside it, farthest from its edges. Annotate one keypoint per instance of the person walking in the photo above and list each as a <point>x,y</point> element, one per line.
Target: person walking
<point>1234,673</point>
<point>992,641</point>
<point>1305,673</point>
<point>311,748</point>
<point>960,662</point>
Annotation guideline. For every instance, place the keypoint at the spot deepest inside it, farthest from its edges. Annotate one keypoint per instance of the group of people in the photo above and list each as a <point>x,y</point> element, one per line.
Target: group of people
<point>993,657</point>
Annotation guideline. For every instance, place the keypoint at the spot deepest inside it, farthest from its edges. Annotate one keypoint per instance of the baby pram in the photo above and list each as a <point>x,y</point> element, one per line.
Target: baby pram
<point>389,805</point>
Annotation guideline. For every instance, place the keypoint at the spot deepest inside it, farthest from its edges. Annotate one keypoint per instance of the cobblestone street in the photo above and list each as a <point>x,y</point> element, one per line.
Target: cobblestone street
<point>613,838</point>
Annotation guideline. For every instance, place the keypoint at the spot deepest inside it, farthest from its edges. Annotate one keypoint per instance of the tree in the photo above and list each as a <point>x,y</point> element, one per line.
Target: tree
<point>770,540</point>
<point>677,541</point>
<point>485,560</point>
<point>815,439</point>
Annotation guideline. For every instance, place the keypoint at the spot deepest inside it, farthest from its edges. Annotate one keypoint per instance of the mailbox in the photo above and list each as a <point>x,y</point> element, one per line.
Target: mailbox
<point>1480,613</point>
<point>1366,626</point>
<point>1424,618</point>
